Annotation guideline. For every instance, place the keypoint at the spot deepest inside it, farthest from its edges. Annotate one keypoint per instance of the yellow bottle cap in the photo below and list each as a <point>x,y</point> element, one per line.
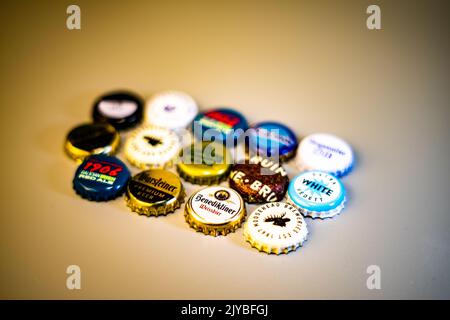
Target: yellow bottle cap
<point>91,138</point>
<point>204,163</point>
<point>154,192</point>
<point>276,228</point>
<point>215,211</point>
<point>152,147</point>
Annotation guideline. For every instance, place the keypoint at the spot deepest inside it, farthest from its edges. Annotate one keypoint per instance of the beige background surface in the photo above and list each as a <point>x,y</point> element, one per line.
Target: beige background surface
<point>310,64</point>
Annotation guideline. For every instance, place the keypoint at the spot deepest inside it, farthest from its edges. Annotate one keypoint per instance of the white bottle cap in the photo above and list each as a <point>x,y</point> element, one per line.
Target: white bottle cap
<point>171,109</point>
<point>325,152</point>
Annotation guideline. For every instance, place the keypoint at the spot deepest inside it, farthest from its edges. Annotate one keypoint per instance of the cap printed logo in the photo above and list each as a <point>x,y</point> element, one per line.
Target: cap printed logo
<point>153,141</point>
<point>278,220</point>
<point>222,195</point>
<point>276,228</point>
<point>169,108</point>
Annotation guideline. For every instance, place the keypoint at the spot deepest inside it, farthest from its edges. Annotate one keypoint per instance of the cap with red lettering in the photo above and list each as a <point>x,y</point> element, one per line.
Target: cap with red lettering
<point>221,125</point>
<point>101,178</point>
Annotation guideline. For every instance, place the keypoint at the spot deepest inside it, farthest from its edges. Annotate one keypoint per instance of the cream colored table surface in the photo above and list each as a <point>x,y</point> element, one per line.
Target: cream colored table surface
<point>312,65</point>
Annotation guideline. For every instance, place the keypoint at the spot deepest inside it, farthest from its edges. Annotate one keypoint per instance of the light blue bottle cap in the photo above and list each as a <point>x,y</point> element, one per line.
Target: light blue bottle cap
<point>317,194</point>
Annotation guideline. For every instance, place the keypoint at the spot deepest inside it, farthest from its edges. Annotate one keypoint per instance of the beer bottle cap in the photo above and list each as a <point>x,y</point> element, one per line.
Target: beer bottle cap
<point>154,192</point>
<point>152,147</point>
<point>325,152</point>
<point>317,194</point>
<point>171,110</point>
<point>259,180</point>
<point>101,178</point>
<point>221,123</point>
<point>121,109</point>
<point>273,139</point>
<point>91,138</point>
<point>204,163</point>
<point>276,228</point>
<point>215,211</point>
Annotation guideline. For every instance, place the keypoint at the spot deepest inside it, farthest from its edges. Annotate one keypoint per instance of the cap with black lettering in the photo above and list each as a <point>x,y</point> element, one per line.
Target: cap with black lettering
<point>276,228</point>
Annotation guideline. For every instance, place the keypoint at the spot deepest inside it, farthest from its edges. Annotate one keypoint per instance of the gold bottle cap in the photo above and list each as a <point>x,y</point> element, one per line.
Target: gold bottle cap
<point>204,163</point>
<point>91,138</point>
<point>152,147</point>
<point>276,228</point>
<point>154,192</point>
<point>215,210</point>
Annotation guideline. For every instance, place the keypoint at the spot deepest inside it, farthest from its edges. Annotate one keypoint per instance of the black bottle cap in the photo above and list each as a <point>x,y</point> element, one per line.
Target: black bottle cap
<point>121,109</point>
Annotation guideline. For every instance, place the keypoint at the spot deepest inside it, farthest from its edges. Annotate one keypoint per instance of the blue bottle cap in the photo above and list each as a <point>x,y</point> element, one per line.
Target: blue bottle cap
<point>220,123</point>
<point>101,178</point>
<point>317,194</point>
<point>273,139</point>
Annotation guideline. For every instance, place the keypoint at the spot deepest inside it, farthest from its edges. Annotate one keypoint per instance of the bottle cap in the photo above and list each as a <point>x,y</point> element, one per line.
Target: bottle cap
<point>325,152</point>
<point>101,178</point>
<point>93,138</point>
<point>219,123</point>
<point>171,109</point>
<point>259,180</point>
<point>152,147</point>
<point>317,194</point>
<point>121,109</point>
<point>154,192</point>
<point>215,211</point>
<point>204,163</point>
<point>276,228</point>
<point>273,139</point>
